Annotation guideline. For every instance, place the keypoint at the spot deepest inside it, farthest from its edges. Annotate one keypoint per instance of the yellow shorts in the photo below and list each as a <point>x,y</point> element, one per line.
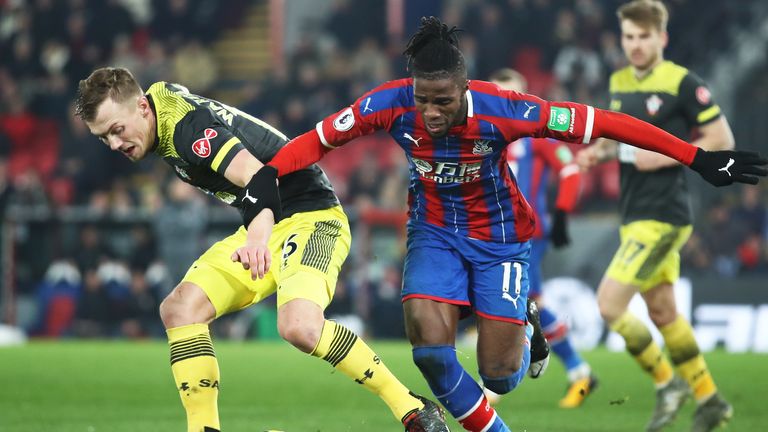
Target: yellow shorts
<point>308,250</point>
<point>649,254</point>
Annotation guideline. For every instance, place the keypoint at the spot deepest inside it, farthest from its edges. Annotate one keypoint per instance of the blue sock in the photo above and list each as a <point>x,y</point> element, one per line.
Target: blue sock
<point>499,426</point>
<point>450,383</point>
<point>560,344</point>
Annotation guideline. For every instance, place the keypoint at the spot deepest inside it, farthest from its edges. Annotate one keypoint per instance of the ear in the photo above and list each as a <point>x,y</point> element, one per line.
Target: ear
<point>466,85</point>
<point>144,106</point>
<point>664,39</point>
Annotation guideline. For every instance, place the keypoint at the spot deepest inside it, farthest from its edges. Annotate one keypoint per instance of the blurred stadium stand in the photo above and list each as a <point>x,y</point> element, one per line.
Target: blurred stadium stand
<point>86,240</point>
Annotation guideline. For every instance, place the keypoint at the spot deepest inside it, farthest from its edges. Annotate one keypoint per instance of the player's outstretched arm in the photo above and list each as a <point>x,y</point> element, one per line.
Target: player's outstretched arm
<point>713,136</point>
<point>300,152</point>
<point>371,112</point>
<point>720,168</point>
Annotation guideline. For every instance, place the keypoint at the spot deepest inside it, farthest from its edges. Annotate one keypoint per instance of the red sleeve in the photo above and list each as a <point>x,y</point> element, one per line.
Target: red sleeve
<point>300,152</point>
<point>627,129</point>
<point>559,157</point>
<point>578,123</point>
<point>373,111</point>
<point>308,148</point>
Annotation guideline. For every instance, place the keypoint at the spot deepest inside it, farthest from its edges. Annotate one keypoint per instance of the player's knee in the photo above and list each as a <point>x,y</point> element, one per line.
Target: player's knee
<point>501,367</point>
<point>430,359</point>
<point>661,315</point>
<point>304,335</point>
<point>425,324</point>
<point>171,312</point>
<point>504,384</point>
<point>435,363</point>
<point>185,305</point>
<point>608,311</point>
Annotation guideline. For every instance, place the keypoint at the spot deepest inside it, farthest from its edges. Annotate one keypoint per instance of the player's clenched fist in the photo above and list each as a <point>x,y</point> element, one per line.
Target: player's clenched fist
<point>587,158</point>
<point>254,257</point>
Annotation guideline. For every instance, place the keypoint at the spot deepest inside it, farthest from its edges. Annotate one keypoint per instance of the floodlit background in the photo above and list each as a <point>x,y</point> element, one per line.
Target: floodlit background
<point>90,243</point>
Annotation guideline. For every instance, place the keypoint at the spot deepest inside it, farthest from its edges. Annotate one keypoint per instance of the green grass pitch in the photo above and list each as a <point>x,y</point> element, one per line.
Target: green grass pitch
<point>121,386</point>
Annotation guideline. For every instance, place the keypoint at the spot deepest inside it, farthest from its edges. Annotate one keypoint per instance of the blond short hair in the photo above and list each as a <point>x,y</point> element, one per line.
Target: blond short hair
<point>645,13</point>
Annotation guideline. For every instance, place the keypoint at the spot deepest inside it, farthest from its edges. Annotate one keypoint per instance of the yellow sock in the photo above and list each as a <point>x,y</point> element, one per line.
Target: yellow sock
<point>641,346</point>
<point>687,358</point>
<point>196,373</point>
<point>349,354</point>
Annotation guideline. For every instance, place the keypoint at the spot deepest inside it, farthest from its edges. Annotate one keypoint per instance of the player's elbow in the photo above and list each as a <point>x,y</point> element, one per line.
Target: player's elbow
<point>717,136</point>
<point>720,144</point>
<point>729,143</point>
<point>242,168</point>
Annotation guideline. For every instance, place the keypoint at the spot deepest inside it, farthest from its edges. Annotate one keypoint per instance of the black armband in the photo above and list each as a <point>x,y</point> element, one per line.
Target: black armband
<point>260,193</point>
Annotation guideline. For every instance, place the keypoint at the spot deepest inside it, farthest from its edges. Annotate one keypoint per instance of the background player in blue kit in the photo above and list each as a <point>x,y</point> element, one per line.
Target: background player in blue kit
<point>532,161</point>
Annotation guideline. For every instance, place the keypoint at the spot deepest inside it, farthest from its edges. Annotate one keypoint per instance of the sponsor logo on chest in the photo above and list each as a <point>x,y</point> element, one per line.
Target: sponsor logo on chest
<point>448,172</point>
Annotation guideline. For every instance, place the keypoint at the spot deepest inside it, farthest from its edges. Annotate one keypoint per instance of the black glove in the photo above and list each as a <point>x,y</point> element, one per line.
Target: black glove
<point>722,168</point>
<point>559,232</point>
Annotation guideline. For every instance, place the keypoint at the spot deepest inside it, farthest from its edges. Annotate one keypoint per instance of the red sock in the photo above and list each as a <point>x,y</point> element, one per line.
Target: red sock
<point>479,417</point>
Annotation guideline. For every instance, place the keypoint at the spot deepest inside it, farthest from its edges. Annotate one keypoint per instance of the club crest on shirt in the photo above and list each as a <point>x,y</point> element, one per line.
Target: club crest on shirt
<point>703,95</point>
<point>653,104</point>
<point>344,121</point>
<point>422,166</point>
<point>482,147</point>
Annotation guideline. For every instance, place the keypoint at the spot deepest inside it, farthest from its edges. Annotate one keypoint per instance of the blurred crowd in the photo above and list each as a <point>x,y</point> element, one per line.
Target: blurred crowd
<point>121,236</point>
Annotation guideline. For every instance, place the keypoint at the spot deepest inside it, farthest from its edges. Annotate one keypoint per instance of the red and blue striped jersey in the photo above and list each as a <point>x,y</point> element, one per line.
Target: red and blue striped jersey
<point>462,182</point>
<point>532,161</point>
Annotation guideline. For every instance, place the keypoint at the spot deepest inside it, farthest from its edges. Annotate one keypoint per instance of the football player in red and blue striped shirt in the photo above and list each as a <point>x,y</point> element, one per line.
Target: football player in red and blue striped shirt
<point>470,226</point>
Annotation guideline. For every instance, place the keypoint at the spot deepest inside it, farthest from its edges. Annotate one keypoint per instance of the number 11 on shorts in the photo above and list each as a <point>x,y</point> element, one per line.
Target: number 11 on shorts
<point>507,276</point>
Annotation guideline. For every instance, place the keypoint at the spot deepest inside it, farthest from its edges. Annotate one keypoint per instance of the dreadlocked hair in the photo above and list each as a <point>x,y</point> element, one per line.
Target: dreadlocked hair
<point>433,51</point>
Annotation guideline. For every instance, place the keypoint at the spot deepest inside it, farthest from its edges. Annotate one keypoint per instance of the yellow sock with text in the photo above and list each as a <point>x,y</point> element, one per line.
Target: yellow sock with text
<point>196,373</point>
<point>685,354</point>
<point>349,354</point>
